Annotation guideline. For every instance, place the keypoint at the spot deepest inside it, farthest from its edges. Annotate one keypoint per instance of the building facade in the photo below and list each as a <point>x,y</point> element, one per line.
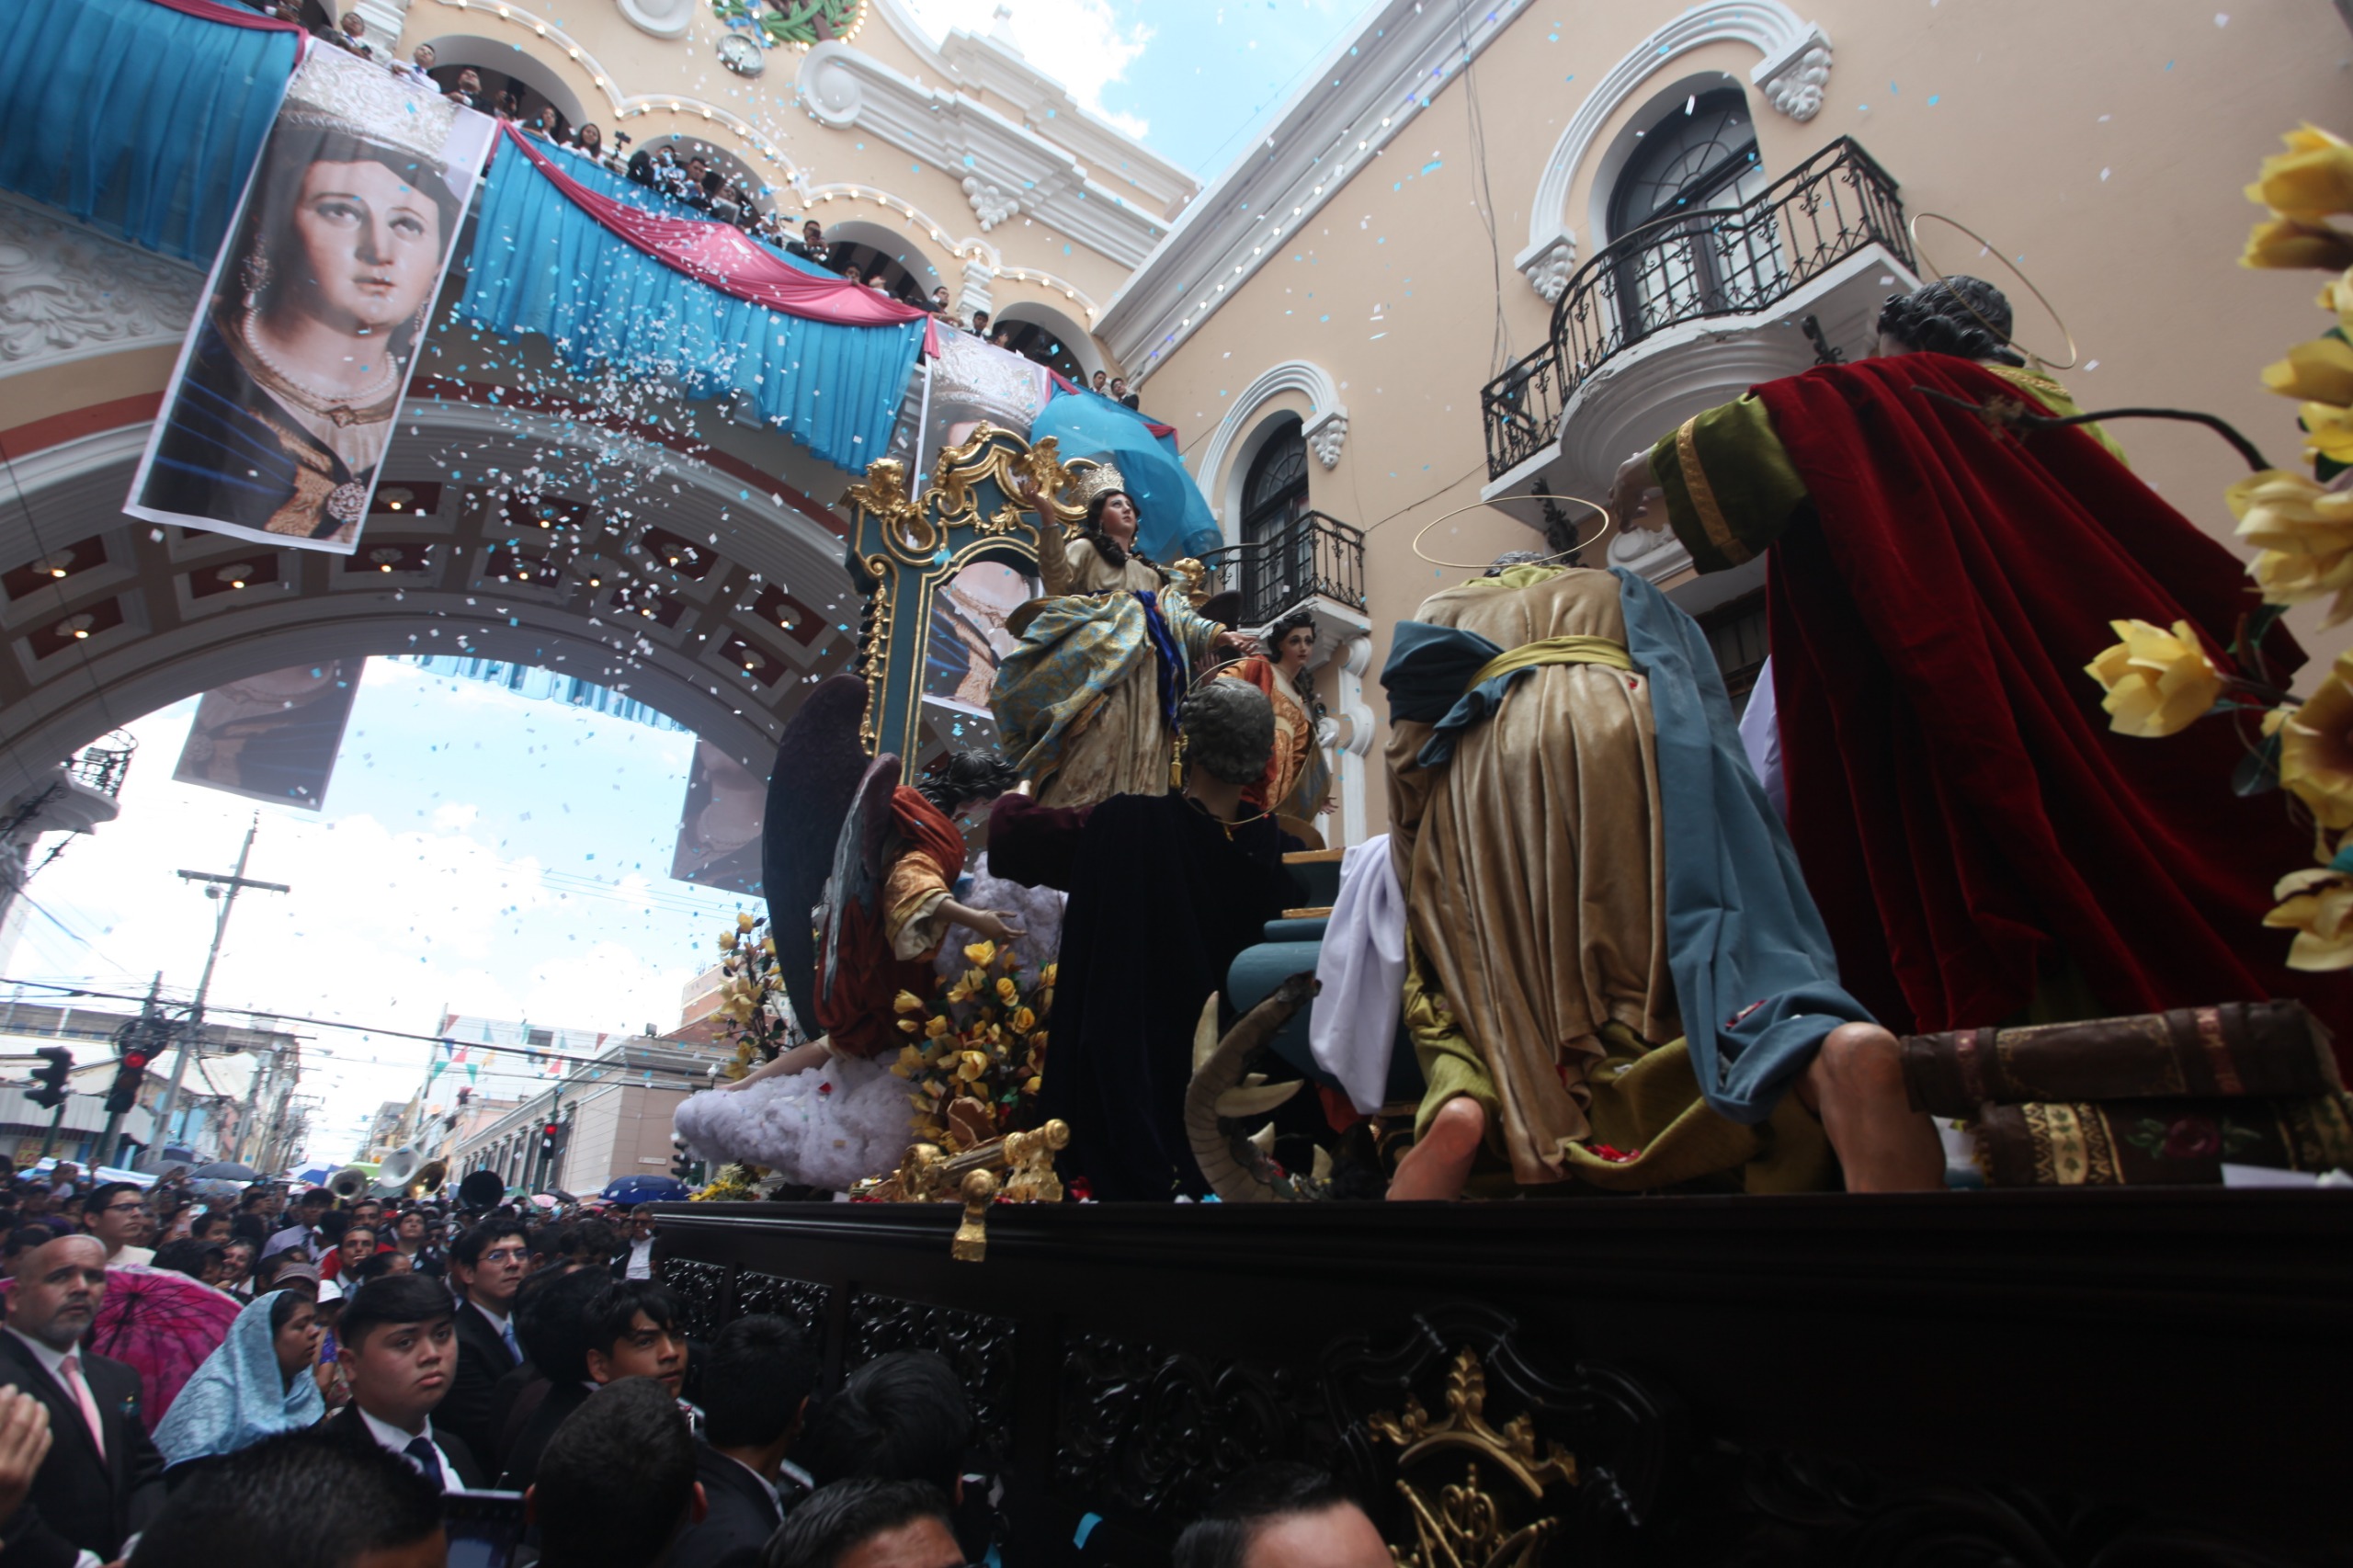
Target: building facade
<point>233,1103</point>
<point>1456,271</point>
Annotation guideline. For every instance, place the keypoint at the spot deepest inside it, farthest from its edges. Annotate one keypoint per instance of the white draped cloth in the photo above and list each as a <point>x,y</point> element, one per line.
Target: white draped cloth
<point>1360,974</point>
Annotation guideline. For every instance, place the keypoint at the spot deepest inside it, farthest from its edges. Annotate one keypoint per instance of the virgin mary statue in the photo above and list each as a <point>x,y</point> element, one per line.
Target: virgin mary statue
<point>1087,705</point>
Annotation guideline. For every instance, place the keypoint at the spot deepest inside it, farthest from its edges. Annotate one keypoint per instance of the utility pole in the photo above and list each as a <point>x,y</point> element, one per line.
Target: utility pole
<point>234,883</point>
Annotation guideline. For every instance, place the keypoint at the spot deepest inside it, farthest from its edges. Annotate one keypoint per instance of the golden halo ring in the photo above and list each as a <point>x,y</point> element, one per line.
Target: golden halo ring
<point>1937,273</point>
<point>1608,521</point>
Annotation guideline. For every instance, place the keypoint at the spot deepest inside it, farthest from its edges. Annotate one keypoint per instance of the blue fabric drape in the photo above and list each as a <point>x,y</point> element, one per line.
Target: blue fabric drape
<point>140,119</point>
<point>542,264</point>
<point>1175,519</point>
<point>1754,978</point>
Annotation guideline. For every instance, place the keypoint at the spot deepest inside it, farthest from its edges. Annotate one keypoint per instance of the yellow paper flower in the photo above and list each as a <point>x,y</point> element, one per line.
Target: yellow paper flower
<point>906,1002</point>
<point>2328,430</point>
<point>744,921</point>
<point>2317,905</point>
<point>2280,510</point>
<point>2336,297</point>
<point>1024,1020</point>
<point>2285,242</point>
<point>2317,749</point>
<point>2288,579</point>
<point>2310,180</point>
<point>2320,371</point>
<point>910,1062</point>
<point>1033,1086</point>
<point>908,1026</point>
<point>936,1025</point>
<point>2158,682</point>
<point>971,1065</point>
<point>1046,975</point>
<point>980,952</point>
<point>1007,991</point>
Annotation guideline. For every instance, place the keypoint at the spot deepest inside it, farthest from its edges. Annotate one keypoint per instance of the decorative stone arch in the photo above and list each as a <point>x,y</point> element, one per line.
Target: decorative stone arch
<point>1609,162</point>
<point>162,628</point>
<point>483,54</point>
<point>1792,74</point>
<point>1074,337</point>
<point>921,262</point>
<point>1226,460</point>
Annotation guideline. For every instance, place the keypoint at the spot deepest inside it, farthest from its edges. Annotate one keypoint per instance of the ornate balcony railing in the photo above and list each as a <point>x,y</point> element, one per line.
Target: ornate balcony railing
<point>1731,261</point>
<point>1315,557</point>
<point>103,766</point>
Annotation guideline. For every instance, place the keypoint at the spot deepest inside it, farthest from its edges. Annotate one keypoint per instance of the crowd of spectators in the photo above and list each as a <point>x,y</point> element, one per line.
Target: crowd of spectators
<point>392,1355</point>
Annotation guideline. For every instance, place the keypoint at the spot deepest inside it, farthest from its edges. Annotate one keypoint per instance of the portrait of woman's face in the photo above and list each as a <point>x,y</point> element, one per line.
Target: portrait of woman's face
<point>370,246</point>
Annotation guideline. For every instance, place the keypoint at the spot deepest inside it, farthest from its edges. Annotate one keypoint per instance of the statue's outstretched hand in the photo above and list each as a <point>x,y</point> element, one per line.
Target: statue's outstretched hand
<point>1631,492</point>
<point>993,925</point>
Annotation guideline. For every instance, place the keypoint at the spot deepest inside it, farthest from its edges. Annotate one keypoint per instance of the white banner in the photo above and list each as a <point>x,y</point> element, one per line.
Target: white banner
<point>278,412</point>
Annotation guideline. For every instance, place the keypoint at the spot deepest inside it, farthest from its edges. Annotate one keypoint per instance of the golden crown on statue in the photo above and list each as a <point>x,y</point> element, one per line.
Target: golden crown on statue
<point>1090,477</point>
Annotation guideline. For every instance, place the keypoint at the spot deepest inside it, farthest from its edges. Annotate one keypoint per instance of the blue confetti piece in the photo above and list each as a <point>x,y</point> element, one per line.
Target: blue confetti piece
<point>1086,1527</point>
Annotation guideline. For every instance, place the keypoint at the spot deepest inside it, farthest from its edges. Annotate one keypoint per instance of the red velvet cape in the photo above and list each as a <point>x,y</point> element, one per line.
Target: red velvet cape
<point>860,1019</point>
<point>1963,814</point>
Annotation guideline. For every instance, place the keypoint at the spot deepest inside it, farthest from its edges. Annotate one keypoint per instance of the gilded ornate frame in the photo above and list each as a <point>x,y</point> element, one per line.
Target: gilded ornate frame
<point>984,503</point>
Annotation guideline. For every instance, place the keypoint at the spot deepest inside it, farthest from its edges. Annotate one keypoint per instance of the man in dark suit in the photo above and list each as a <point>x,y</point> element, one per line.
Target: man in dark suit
<point>103,1480</point>
<point>758,1382</point>
<point>398,1346</point>
<point>555,1316</point>
<point>486,1263</point>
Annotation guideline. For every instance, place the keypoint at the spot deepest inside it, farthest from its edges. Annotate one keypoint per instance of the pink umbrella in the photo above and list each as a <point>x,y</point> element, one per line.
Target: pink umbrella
<point>164,1325</point>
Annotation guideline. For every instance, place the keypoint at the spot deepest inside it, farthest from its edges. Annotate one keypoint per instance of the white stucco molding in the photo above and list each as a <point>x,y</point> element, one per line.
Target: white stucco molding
<point>1792,74</point>
<point>1325,426</point>
<point>68,292</point>
<point>841,87</point>
<point>1365,94</point>
<point>663,19</point>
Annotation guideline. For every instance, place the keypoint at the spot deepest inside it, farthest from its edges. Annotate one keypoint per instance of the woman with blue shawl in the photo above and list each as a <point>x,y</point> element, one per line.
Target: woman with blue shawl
<point>256,1384</point>
<point>1087,706</point>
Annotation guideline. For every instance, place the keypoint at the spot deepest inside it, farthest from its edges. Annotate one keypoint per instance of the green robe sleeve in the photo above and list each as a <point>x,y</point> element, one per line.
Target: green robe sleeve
<point>1731,488</point>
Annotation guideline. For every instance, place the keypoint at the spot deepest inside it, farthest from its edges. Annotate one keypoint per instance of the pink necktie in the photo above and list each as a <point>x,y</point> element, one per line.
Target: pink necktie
<point>72,1368</point>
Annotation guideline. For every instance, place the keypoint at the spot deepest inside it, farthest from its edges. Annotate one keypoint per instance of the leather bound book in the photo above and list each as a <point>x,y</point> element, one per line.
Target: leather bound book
<point>2235,1048</point>
<point>2171,1143</point>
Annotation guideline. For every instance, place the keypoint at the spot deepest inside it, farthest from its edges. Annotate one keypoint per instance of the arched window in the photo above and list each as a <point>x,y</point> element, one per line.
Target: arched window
<point>1278,557</point>
<point>1699,158</point>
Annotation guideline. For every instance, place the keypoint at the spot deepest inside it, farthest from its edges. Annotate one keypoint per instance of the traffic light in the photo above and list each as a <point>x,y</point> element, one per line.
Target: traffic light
<point>546,1138</point>
<point>50,1091</point>
<point>682,1165</point>
<point>127,1079</point>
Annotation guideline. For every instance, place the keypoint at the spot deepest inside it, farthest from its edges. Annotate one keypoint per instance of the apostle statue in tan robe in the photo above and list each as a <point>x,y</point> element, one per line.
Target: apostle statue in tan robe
<point>1615,970</point>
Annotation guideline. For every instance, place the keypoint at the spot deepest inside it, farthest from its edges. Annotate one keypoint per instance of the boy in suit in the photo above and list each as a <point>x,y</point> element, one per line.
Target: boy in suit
<point>399,1354</point>
<point>757,1384</point>
<point>487,1264</point>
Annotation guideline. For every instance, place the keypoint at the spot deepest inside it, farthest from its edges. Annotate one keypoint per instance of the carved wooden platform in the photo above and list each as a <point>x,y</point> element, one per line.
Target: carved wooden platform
<point>2043,1378</point>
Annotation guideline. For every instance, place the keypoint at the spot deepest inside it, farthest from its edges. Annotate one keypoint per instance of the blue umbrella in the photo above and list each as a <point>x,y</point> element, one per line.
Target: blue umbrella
<point>633,1189</point>
<point>1177,518</point>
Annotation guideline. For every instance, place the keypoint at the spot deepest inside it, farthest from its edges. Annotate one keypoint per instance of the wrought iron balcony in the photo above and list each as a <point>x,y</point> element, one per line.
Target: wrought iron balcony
<point>1315,557</point>
<point>1727,262</point>
<point>102,767</point>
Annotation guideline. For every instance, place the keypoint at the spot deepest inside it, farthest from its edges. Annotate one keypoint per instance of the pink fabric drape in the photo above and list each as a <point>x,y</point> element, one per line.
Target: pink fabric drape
<point>722,256</point>
<point>234,16</point>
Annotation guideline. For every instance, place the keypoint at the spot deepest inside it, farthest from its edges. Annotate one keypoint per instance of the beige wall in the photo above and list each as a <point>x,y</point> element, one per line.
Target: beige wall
<point>2033,101</point>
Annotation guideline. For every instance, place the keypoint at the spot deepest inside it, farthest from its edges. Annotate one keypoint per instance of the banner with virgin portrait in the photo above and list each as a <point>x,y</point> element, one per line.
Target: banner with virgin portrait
<point>275,424</point>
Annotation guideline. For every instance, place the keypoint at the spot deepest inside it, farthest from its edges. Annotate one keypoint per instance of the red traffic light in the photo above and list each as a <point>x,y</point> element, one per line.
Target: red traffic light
<point>134,1059</point>
<point>549,1131</point>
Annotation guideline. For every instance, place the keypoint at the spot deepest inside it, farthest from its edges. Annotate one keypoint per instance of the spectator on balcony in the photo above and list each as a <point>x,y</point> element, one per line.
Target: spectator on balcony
<point>1121,395</point>
<point>354,36</point>
<point>939,305</point>
<point>418,67</point>
<point>467,94</point>
<point>1101,384</point>
<point>980,324</point>
<point>811,246</point>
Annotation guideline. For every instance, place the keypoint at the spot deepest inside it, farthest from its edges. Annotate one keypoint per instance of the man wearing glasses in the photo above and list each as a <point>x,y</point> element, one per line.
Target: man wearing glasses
<point>118,1215</point>
<point>486,1265</point>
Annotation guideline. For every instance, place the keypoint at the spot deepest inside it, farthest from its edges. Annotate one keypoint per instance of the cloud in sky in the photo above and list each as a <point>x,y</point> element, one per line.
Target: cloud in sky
<point>1087,45</point>
<point>479,851</point>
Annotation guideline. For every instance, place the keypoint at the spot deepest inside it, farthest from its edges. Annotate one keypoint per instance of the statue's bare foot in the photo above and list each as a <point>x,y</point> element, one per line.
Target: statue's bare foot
<point>1856,1086</point>
<point>1439,1164</point>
